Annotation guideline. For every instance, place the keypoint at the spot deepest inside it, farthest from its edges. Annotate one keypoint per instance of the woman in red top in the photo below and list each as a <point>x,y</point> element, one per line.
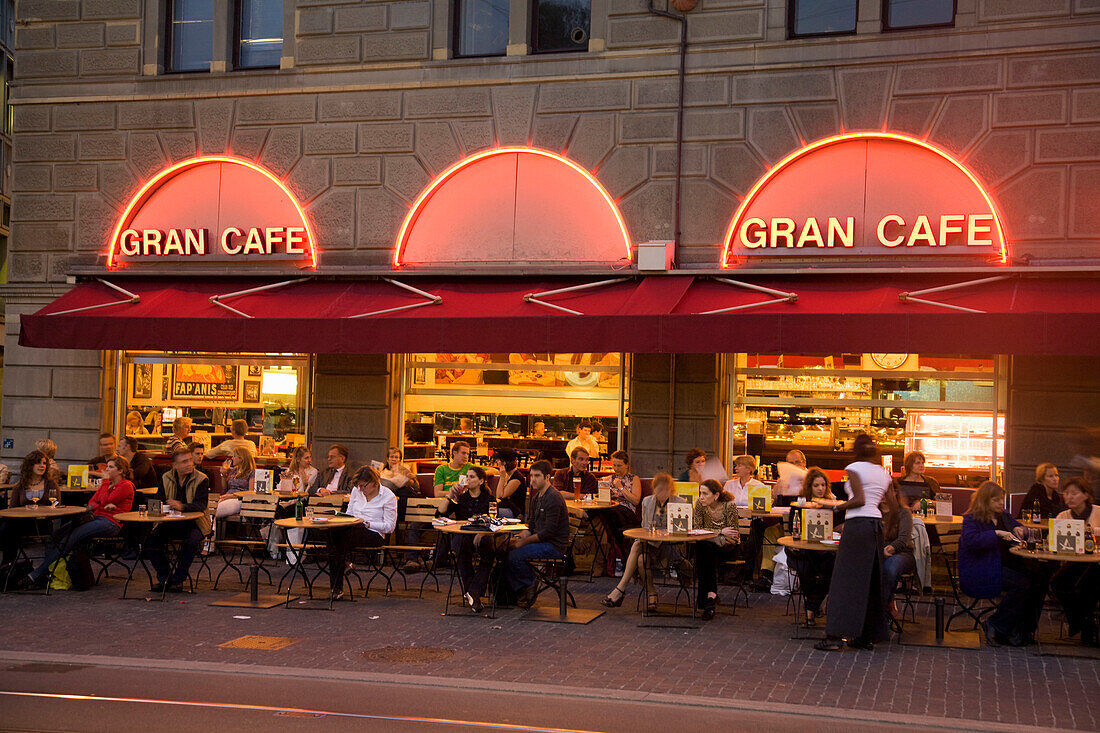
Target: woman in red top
<point>115,495</point>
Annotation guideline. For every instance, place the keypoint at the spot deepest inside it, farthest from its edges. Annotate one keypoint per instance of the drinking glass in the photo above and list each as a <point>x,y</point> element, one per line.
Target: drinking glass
<point>34,497</point>
<point>309,513</point>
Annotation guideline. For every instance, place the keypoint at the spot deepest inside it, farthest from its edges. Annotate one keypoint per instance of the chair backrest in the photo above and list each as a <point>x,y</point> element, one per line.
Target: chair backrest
<point>744,520</point>
<point>422,510</point>
<point>427,483</point>
<point>332,500</point>
<point>259,506</point>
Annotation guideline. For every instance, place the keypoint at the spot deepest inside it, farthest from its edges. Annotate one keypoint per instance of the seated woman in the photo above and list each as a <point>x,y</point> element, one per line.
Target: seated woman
<point>1077,585</point>
<point>114,496</point>
<point>135,424</point>
<point>716,511</point>
<point>914,485</point>
<point>34,482</point>
<point>238,474</point>
<point>814,569</point>
<point>626,492</point>
<point>695,460</point>
<point>300,468</point>
<point>987,569</point>
<point>740,487</point>
<point>377,507</point>
<point>461,504</point>
<point>897,535</point>
<point>511,485</point>
<point>397,477</point>
<point>654,514</point>
<point>1043,494</point>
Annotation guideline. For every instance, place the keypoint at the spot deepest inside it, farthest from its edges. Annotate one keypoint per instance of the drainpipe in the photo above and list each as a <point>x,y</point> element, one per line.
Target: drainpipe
<point>682,20</point>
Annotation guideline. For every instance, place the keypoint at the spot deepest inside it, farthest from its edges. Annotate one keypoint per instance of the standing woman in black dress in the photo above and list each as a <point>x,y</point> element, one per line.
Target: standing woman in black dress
<point>857,604</point>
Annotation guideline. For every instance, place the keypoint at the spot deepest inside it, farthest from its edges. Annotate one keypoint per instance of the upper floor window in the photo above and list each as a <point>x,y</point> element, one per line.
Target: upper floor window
<point>822,17</point>
<point>259,34</point>
<point>190,37</point>
<point>560,25</point>
<point>901,14</point>
<point>481,27</point>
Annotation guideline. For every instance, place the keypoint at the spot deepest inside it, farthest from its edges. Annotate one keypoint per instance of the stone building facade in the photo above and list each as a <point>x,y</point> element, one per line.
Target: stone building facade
<point>369,103</point>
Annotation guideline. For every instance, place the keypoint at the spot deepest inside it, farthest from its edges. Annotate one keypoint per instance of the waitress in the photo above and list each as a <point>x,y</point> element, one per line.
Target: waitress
<point>857,608</point>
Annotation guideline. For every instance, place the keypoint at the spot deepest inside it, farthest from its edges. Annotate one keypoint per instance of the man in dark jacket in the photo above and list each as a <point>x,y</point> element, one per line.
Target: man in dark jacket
<point>145,476</point>
<point>184,490</point>
<point>337,478</point>
<point>548,520</point>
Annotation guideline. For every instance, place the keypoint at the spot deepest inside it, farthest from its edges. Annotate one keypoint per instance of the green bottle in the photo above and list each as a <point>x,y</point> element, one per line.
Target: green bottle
<point>299,510</point>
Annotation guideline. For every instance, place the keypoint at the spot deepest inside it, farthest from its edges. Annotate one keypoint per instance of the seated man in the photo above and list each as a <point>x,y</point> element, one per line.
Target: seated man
<point>584,440</point>
<point>181,431</point>
<point>185,490</point>
<point>145,476</point>
<point>337,478</point>
<point>578,469</point>
<point>446,476</point>
<point>239,431</point>
<point>107,445</point>
<point>547,537</point>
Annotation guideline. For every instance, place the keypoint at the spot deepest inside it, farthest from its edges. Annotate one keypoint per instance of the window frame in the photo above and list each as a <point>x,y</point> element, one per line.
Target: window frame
<point>887,28</point>
<point>456,27</point>
<point>791,15</point>
<point>169,40</point>
<point>236,41</point>
<point>533,32</point>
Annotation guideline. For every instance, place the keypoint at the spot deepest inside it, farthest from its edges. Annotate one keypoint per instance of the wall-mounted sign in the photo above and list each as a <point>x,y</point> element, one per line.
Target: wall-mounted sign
<point>204,382</point>
<point>866,194</point>
<point>212,209</point>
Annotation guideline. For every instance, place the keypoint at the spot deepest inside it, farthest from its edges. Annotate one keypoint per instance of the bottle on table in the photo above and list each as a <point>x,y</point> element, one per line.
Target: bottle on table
<point>924,506</point>
<point>796,524</point>
<point>1036,514</point>
<point>299,509</point>
<point>1090,542</point>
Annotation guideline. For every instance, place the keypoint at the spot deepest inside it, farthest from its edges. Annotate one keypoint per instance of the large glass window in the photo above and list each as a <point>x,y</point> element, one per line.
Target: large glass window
<point>943,406</point>
<point>268,391</point>
<point>899,14</point>
<point>259,33</point>
<point>532,403</point>
<point>481,27</point>
<point>190,31</point>
<point>561,25</point>
<point>822,17</point>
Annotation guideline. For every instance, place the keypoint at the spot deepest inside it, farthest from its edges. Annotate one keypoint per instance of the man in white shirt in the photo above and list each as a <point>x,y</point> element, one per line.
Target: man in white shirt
<point>376,505</point>
<point>791,474</point>
<point>584,440</point>
<point>239,430</point>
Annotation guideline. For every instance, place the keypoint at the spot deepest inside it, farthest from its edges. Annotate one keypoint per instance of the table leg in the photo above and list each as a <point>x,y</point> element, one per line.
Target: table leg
<point>142,542</point>
<point>599,533</point>
<point>297,569</point>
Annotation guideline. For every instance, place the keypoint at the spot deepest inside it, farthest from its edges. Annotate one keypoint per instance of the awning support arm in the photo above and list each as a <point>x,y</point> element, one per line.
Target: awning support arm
<point>908,296</point>
<point>781,296</point>
<point>535,297</point>
<point>431,300</point>
<point>130,298</point>
<point>217,299</point>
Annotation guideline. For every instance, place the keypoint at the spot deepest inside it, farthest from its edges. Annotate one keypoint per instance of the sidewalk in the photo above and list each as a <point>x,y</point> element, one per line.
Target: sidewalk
<point>746,659</point>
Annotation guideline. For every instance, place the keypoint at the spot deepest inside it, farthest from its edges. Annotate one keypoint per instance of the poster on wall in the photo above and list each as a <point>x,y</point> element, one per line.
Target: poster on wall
<point>255,370</point>
<point>143,382</point>
<point>251,391</point>
<point>204,382</point>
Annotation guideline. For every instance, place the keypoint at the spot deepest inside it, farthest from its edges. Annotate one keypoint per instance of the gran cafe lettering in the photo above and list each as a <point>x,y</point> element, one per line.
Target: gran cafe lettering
<point>892,230</point>
<point>231,241</point>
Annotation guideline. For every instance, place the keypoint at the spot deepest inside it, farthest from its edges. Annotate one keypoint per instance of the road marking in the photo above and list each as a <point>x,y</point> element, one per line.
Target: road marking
<point>295,711</point>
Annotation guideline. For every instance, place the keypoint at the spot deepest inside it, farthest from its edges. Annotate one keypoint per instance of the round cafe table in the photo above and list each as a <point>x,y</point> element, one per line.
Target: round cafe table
<point>599,529</point>
<point>147,523</point>
<point>456,528</point>
<point>35,513</point>
<point>938,520</point>
<point>306,524</point>
<point>1048,556</point>
<point>661,537</point>
<point>816,565</point>
<point>793,544</point>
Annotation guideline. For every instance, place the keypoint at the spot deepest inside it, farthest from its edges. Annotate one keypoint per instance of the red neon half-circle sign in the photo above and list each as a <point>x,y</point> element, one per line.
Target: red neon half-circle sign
<point>869,194</point>
<point>213,208</point>
<point>510,205</point>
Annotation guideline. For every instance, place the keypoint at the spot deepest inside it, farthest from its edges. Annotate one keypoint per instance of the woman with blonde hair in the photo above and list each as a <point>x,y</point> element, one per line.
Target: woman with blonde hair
<point>987,569</point>
<point>135,424</point>
<point>1045,494</point>
<point>654,514</point>
<point>238,474</point>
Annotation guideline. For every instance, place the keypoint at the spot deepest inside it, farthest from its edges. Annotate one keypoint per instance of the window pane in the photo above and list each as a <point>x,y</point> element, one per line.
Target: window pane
<point>260,34</point>
<point>912,13</point>
<point>823,16</point>
<point>562,25</point>
<point>482,28</point>
<point>191,29</point>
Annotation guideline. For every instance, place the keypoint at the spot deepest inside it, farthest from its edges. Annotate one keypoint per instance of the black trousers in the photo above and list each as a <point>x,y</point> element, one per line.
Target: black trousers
<point>815,571</point>
<point>340,542</point>
<point>1017,614</point>
<point>620,518</point>
<point>473,581</point>
<point>750,547</point>
<point>708,556</point>
<point>1077,587</point>
<point>191,537</point>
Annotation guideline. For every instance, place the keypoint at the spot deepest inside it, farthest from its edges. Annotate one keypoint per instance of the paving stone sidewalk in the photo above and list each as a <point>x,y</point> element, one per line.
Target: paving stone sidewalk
<point>748,657</point>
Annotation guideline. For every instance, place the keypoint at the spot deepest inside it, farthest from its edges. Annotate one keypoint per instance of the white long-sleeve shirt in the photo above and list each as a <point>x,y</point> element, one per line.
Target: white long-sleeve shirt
<point>380,513</point>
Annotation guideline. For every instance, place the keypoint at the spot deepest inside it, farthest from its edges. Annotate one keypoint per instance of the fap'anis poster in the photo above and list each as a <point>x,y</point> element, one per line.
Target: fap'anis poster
<point>204,382</point>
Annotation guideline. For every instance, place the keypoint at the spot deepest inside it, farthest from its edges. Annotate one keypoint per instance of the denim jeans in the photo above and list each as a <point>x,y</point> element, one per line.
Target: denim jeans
<point>98,527</point>
<point>516,569</point>
<point>893,568</point>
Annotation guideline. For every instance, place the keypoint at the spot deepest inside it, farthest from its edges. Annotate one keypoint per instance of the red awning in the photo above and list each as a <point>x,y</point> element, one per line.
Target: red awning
<point>638,314</point>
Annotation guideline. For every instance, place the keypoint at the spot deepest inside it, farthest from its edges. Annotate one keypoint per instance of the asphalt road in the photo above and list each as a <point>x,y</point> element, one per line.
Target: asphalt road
<point>100,697</point>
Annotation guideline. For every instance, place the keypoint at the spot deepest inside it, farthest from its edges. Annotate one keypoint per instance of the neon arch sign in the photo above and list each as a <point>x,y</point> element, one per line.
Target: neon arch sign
<point>509,205</point>
<point>866,194</point>
<point>215,208</point>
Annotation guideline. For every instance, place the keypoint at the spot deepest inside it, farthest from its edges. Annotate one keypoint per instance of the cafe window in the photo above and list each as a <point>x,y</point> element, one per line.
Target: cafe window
<point>821,17</point>
<point>481,27</point>
<point>189,35</point>
<point>906,14</point>
<point>943,406</point>
<point>259,26</point>
<point>560,25</point>
<point>532,403</point>
<point>268,391</point>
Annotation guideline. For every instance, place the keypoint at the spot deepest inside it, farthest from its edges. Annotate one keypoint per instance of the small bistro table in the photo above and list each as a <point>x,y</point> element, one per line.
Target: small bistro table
<point>149,522</point>
<point>35,513</point>
<point>456,528</point>
<point>646,537</point>
<point>307,524</point>
<point>599,529</point>
<point>798,545</point>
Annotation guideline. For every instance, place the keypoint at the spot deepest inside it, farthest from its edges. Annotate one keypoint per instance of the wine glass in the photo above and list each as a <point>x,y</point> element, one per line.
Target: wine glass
<point>34,497</point>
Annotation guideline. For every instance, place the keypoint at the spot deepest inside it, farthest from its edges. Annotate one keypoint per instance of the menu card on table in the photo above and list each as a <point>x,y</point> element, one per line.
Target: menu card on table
<point>603,492</point>
<point>77,477</point>
<point>679,518</point>
<point>760,499</point>
<point>1067,536</point>
<point>265,480</point>
<point>817,525</point>
<point>944,505</point>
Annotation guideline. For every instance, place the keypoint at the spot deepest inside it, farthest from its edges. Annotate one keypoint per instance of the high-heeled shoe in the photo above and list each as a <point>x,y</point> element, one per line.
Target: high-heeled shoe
<point>610,602</point>
<point>651,604</point>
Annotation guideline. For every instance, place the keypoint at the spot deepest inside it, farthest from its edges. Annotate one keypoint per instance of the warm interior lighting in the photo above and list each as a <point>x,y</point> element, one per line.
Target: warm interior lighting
<point>844,137</point>
<point>280,383</point>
